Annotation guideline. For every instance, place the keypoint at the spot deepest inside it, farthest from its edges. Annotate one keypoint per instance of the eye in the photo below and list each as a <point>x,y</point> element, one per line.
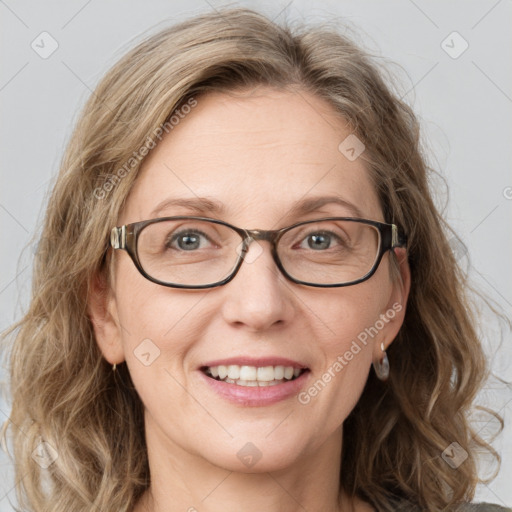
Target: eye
<point>186,240</point>
<point>321,240</point>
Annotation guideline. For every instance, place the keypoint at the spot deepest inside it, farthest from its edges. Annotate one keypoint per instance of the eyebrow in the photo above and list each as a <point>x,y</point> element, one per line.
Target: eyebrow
<point>203,205</point>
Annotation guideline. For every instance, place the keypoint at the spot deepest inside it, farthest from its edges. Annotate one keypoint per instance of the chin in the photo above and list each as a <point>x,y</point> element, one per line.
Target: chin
<point>255,457</point>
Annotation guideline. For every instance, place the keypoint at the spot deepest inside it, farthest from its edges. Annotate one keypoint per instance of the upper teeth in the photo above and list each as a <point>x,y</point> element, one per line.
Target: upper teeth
<point>262,373</point>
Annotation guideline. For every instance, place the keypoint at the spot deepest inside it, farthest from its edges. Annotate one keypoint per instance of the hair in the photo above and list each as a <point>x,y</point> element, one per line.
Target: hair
<point>64,391</point>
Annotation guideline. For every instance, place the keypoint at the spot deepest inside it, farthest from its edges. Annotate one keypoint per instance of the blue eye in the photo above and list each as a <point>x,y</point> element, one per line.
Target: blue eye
<point>187,240</point>
<point>322,240</point>
<point>319,241</point>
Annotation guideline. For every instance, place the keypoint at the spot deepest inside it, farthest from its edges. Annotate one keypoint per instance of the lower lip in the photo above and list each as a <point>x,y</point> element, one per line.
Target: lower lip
<point>255,396</point>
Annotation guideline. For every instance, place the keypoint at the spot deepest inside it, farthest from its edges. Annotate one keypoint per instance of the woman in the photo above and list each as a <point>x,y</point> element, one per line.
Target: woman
<point>241,229</point>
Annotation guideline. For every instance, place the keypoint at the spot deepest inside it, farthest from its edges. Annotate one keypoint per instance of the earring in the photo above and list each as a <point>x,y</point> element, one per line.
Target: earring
<point>381,366</point>
<point>114,366</point>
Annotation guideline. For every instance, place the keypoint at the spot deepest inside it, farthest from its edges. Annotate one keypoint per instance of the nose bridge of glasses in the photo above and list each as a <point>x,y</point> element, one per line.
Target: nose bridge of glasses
<point>261,234</point>
<point>252,235</point>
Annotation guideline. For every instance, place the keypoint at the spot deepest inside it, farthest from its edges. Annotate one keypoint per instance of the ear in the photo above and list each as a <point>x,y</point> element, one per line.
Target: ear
<point>102,311</point>
<point>394,314</point>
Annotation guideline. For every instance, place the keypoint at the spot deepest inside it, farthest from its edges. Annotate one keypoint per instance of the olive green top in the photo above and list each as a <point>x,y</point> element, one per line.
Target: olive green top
<point>404,506</point>
<point>483,507</point>
<point>465,507</point>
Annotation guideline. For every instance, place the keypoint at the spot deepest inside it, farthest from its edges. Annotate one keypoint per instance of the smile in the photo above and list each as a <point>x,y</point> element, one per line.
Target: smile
<point>260,376</point>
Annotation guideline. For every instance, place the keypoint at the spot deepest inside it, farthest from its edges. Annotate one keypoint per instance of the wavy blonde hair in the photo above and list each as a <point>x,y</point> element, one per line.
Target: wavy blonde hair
<point>65,393</point>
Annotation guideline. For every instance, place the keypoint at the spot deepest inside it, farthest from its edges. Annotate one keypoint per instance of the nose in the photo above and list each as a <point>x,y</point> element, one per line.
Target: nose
<point>259,296</point>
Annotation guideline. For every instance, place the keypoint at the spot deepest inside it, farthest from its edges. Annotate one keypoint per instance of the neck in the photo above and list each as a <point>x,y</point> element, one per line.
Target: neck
<point>185,481</point>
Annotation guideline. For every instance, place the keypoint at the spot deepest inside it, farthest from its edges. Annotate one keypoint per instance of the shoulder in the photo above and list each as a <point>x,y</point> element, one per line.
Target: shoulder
<point>483,507</point>
<point>463,507</point>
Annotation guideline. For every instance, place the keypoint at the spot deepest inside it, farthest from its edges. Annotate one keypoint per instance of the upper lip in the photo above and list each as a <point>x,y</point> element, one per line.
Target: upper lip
<point>252,361</point>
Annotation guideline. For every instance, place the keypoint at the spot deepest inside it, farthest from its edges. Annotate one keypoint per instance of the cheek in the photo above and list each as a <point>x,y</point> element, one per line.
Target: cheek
<point>346,356</point>
<point>155,321</point>
<point>352,311</point>
<point>158,330</point>
<point>351,328</point>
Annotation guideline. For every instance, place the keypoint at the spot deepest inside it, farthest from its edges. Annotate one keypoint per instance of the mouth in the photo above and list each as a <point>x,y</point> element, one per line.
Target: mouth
<point>253,376</point>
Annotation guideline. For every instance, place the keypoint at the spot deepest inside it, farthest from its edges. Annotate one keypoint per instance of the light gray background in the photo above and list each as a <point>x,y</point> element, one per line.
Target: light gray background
<point>465,105</point>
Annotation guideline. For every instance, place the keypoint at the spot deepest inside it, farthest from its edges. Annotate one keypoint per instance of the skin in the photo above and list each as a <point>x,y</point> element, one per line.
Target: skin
<point>258,153</point>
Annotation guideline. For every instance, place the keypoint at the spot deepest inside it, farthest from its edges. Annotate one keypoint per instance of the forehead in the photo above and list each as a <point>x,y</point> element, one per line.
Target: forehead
<point>254,155</point>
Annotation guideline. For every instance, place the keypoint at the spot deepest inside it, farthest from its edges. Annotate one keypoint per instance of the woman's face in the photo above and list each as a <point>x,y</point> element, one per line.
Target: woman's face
<point>258,154</point>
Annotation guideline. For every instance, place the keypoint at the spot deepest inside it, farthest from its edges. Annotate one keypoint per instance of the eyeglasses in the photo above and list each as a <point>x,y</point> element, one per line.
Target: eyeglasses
<point>199,252</point>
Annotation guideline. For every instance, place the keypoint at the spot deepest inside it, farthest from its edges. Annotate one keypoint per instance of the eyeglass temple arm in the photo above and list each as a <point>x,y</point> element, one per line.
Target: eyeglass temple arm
<point>118,238</point>
<point>397,239</point>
